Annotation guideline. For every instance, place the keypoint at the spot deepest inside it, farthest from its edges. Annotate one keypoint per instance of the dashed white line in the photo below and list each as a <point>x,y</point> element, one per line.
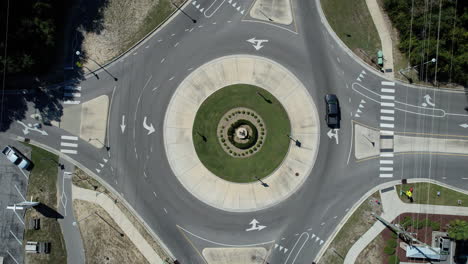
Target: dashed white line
<point>173,34</point>
<point>214,23</point>
<point>165,210</point>
<point>163,59</point>
<point>155,195</point>
<point>172,78</point>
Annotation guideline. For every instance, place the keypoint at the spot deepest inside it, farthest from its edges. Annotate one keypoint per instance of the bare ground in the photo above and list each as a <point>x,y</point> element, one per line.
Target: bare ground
<point>102,238</point>
<point>121,20</point>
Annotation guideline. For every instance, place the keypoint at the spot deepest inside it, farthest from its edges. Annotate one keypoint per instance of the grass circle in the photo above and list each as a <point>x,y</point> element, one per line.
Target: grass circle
<point>275,145</point>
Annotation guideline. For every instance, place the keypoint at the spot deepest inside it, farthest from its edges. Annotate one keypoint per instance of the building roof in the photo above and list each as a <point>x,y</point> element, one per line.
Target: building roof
<point>422,252</point>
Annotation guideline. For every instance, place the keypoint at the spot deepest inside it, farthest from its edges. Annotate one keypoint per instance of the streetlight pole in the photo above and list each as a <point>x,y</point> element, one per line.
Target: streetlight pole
<point>403,71</point>
<point>263,183</point>
<point>60,165</point>
<point>178,8</point>
<point>298,143</point>
<point>78,53</point>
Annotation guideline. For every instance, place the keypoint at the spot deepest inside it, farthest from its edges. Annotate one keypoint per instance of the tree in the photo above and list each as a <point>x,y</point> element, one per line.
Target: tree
<point>458,230</point>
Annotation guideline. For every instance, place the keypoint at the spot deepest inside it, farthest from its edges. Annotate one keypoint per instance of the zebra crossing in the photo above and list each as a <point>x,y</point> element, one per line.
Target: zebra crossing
<point>387,125</point>
<point>70,146</point>
<point>70,94</point>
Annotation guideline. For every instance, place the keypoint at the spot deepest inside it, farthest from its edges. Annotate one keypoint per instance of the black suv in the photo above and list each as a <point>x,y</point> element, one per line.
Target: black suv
<point>333,116</point>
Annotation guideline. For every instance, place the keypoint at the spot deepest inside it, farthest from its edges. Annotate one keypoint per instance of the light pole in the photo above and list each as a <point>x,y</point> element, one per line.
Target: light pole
<point>403,71</point>
<point>263,183</point>
<point>78,53</point>
<point>60,165</point>
<point>298,143</point>
<point>107,147</point>
<point>178,8</point>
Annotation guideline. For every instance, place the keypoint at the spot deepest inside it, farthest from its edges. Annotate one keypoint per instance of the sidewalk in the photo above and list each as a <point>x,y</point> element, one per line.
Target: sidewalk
<point>384,34</point>
<point>393,207</point>
<point>121,219</point>
<point>71,234</point>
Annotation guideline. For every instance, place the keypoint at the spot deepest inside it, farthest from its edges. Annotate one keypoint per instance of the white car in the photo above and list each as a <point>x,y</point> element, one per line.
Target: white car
<point>17,158</point>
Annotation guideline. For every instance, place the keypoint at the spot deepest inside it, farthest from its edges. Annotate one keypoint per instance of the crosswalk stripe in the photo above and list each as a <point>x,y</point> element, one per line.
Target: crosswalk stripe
<point>387,132</point>
<point>387,111</point>
<point>387,125</point>
<point>387,97</point>
<point>65,144</point>
<point>386,161</point>
<point>68,151</point>
<point>388,83</point>
<point>72,94</point>
<point>386,168</point>
<point>387,104</point>
<point>78,88</point>
<point>387,90</point>
<point>69,137</point>
<point>386,155</point>
<point>388,118</point>
<point>386,175</point>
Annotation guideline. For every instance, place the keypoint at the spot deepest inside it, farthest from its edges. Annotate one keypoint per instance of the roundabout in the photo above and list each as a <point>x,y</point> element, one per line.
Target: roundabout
<point>195,150</point>
<point>239,136</point>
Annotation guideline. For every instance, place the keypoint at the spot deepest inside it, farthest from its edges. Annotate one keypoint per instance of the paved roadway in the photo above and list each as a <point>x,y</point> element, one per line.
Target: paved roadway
<point>147,77</point>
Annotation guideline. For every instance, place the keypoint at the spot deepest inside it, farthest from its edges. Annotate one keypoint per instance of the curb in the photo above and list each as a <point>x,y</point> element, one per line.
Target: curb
<point>104,183</point>
<point>350,53</point>
<point>366,196</point>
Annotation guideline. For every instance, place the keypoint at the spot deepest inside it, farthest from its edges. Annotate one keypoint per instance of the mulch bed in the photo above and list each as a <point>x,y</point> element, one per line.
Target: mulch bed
<point>424,234</point>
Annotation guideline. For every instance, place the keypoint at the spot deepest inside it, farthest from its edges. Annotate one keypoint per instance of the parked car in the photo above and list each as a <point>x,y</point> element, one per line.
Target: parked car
<point>17,158</point>
<point>333,114</point>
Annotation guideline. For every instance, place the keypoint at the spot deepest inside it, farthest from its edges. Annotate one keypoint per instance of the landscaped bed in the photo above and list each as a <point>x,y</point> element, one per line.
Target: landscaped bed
<point>271,122</point>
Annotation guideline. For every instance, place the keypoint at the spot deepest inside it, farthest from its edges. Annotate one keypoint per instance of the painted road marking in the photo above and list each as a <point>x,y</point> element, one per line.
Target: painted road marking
<point>388,118</point>
<point>387,90</point>
<point>387,154</point>
<point>386,175</point>
<point>71,102</point>
<point>69,145</point>
<point>387,111</point>
<point>387,104</point>
<point>387,125</point>
<point>68,151</point>
<point>386,168</point>
<point>69,138</point>
<point>65,144</point>
<point>387,132</point>
<point>388,83</point>
<point>387,97</point>
<point>386,161</point>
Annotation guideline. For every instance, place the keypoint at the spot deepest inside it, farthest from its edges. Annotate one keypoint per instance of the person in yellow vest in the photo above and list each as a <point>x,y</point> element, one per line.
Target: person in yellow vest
<point>410,195</point>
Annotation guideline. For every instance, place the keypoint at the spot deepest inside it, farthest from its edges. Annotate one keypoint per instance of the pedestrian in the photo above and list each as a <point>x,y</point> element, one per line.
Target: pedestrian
<point>377,201</point>
<point>438,193</point>
<point>411,189</point>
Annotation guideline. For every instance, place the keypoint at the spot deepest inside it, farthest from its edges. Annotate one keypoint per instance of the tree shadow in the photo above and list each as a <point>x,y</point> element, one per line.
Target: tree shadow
<point>48,212</point>
<point>41,89</point>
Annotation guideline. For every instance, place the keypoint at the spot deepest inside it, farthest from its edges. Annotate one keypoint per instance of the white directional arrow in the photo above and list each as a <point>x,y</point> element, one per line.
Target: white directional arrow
<point>257,43</point>
<point>150,128</point>
<point>198,6</point>
<point>234,5</point>
<point>464,125</point>
<point>194,2</point>
<point>122,125</point>
<point>201,10</point>
<point>255,226</point>
<point>238,8</point>
<point>330,134</point>
<point>428,100</point>
<point>242,12</point>
<point>105,160</point>
<point>28,128</point>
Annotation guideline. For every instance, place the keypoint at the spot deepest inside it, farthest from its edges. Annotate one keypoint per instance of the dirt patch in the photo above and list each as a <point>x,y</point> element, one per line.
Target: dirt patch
<point>356,226</point>
<point>372,254</point>
<point>102,238</point>
<point>83,180</point>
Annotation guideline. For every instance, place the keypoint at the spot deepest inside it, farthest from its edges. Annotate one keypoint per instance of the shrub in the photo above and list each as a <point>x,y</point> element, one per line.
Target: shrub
<point>263,133</point>
<point>261,142</point>
<point>394,235</point>
<point>393,259</point>
<point>226,119</point>
<point>223,140</point>
<point>407,221</point>
<point>258,145</point>
<point>250,151</point>
<point>222,127</point>
<point>261,125</point>
<point>435,226</point>
<point>235,154</point>
<point>243,112</point>
<point>391,243</point>
<point>389,250</point>
<point>248,113</point>
<point>418,224</point>
<point>230,151</point>
<point>263,129</point>
<point>255,148</point>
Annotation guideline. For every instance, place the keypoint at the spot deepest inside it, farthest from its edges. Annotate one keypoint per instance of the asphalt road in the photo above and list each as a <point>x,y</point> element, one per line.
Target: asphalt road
<point>147,78</point>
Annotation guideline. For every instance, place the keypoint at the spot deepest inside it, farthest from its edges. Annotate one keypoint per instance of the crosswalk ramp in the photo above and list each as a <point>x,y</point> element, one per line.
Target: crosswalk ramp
<point>71,94</point>
<point>68,144</point>
<point>387,125</point>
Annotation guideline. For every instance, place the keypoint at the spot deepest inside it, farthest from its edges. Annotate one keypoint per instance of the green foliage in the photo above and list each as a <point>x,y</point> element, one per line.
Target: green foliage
<point>394,235</point>
<point>389,250</point>
<point>458,230</point>
<point>392,243</point>
<point>393,259</point>
<point>435,226</point>
<point>407,222</point>
<point>424,41</point>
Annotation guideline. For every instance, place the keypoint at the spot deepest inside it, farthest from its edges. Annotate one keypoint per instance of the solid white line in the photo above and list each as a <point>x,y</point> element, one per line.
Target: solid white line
<point>71,102</point>
<point>19,218</point>
<point>387,97</point>
<point>386,175</point>
<point>387,111</point>
<point>163,59</point>
<point>387,132</point>
<point>16,238</point>
<point>24,174</point>
<point>388,83</point>
<point>12,257</point>
<point>65,144</point>
<point>351,145</point>
<point>155,195</point>
<point>73,94</point>
<point>387,90</point>
<point>387,125</point>
<point>20,193</point>
<point>165,210</point>
<point>386,168</point>
<point>386,154</point>
<point>386,161</point>
<point>387,104</point>
<point>69,137</point>
<point>69,151</point>
<point>389,118</point>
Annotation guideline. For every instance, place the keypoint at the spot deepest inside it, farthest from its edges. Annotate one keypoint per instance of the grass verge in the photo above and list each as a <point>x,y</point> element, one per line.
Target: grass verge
<point>82,180</point>
<point>352,22</point>
<point>42,188</point>
<point>358,224</point>
<point>211,153</point>
<point>426,193</point>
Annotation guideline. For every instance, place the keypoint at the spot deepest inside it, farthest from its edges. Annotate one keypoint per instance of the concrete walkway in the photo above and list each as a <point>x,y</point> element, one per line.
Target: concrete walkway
<point>71,235</point>
<point>384,34</point>
<point>180,115</point>
<point>392,208</point>
<point>121,219</point>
